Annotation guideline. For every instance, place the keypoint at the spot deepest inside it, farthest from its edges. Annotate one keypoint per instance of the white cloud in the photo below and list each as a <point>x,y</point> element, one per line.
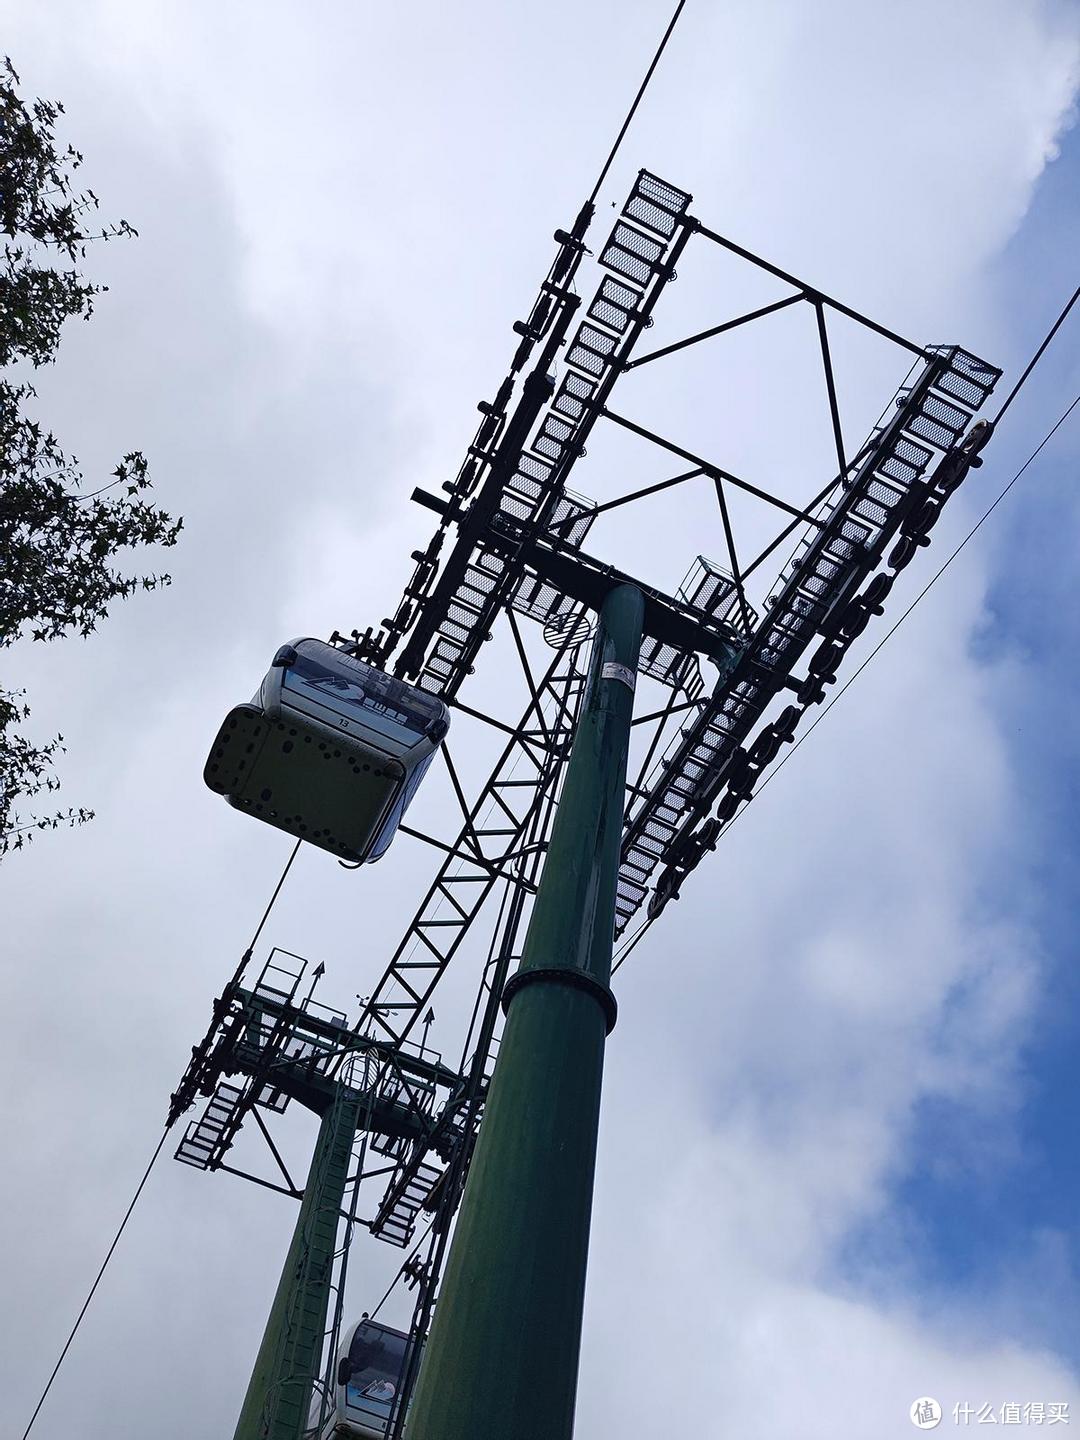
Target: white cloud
<point>342,213</point>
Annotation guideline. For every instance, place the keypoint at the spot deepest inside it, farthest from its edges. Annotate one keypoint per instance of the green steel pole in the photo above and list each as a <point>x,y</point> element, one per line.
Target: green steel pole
<point>286,1368</point>
<point>502,1359</point>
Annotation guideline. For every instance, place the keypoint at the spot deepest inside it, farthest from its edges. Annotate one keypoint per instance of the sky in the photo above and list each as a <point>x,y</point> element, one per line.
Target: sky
<point>838,1158</point>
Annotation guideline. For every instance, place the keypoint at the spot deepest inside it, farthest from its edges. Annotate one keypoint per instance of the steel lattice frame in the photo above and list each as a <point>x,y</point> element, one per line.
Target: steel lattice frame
<point>517,550</point>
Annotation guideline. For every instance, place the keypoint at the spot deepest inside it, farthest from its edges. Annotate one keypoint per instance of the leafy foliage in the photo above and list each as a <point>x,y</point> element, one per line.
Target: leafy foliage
<point>56,544</point>
<point>25,771</point>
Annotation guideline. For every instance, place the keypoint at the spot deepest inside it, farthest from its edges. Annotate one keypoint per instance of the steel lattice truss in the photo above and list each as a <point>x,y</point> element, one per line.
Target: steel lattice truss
<point>515,538</point>
<point>510,546</point>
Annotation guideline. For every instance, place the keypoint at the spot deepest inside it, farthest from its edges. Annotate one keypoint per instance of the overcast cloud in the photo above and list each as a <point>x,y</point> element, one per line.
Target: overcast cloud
<point>342,210</point>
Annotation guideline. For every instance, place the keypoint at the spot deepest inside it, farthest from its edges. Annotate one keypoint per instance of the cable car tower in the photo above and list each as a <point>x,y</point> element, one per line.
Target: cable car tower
<point>623,807</point>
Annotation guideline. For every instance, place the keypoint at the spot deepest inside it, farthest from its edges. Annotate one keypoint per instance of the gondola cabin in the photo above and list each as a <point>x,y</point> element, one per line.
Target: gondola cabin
<point>329,749</point>
<point>371,1365</point>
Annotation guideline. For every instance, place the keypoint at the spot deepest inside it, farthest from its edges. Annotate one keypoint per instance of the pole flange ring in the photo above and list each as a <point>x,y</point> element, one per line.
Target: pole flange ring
<point>566,975</point>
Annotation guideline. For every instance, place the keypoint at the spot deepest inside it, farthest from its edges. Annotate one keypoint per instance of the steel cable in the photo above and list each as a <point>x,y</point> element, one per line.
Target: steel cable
<point>146,1174</point>
<point>637,101</point>
<point>97,1282</point>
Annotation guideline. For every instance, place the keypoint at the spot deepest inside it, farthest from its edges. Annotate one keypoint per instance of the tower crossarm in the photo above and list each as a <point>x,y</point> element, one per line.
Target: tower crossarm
<point>667,620</point>
<point>884,498</point>
<point>521,460</point>
<point>266,1049</point>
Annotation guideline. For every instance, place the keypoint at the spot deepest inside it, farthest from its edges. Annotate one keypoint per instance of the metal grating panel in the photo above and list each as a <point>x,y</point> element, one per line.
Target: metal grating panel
<point>574,395</point>
<point>591,349</point>
<point>658,660</point>
<point>540,601</point>
<point>570,520</point>
<point>707,586</point>
<point>968,379</point>
<point>534,469</point>
<point>656,205</point>
<point>555,433</point>
<point>614,304</point>
<point>631,253</point>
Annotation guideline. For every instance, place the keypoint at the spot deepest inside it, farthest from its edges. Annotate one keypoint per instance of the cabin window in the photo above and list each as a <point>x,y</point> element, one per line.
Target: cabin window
<point>380,699</point>
<point>376,1360</point>
<point>321,683</point>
